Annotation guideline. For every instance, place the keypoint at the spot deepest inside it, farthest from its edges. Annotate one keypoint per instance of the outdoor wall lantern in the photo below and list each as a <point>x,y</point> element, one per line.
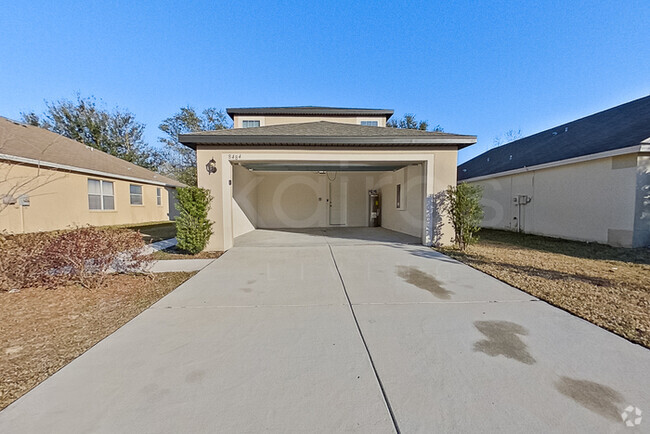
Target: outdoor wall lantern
<point>211,167</point>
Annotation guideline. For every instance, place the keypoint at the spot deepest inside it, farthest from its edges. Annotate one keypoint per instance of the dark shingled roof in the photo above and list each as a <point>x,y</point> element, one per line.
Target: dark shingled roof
<point>618,127</point>
<point>324,134</point>
<point>38,144</point>
<point>309,111</point>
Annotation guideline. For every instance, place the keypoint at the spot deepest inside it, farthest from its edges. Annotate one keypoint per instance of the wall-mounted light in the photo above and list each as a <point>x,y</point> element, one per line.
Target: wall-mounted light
<point>211,167</point>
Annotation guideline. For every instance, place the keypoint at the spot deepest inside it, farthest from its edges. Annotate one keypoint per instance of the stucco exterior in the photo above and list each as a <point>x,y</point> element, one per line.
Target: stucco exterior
<point>245,200</point>
<point>279,120</point>
<point>604,200</point>
<point>58,199</point>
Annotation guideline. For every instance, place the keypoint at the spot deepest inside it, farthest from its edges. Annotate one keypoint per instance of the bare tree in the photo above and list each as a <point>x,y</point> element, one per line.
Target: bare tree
<point>507,137</point>
<point>13,184</point>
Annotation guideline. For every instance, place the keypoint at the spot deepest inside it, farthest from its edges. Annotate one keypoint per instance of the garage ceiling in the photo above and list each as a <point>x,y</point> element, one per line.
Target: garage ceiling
<point>374,166</point>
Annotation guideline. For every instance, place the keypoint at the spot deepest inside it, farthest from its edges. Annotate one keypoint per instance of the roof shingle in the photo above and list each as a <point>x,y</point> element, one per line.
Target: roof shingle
<point>618,127</point>
<point>38,144</point>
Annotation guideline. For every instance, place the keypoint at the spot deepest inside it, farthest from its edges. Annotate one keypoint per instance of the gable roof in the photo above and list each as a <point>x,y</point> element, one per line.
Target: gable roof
<point>322,133</point>
<point>308,111</point>
<point>616,128</point>
<point>33,145</point>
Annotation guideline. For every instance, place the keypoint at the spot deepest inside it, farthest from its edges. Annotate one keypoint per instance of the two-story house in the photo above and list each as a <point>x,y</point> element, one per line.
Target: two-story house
<point>313,167</point>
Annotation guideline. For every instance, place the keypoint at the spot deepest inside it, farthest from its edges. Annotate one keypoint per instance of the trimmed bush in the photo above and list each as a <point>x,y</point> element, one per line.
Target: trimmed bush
<point>463,205</point>
<point>193,229</point>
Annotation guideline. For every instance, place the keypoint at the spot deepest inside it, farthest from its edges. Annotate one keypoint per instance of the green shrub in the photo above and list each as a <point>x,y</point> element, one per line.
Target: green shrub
<point>193,229</point>
<point>463,206</point>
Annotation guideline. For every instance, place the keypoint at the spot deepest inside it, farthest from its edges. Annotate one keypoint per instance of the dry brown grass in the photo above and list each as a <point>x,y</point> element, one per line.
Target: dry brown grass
<point>43,330</point>
<point>607,286</point>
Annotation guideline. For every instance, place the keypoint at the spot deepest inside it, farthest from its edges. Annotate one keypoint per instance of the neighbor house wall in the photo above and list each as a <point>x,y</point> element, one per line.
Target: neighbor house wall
<point>59,200</point>
<point>278,120</point>
<point>587,201</point>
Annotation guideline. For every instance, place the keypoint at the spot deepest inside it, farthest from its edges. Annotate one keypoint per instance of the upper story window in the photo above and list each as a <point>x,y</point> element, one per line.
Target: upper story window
<point>100,195</point>
<point>158,196</point>
<point>250,124</point>
<point>136,194</point>
<point>370,123</point>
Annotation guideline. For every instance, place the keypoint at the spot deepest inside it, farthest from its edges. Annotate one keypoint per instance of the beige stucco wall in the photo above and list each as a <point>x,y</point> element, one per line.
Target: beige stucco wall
<point>237,209</point>
<point>59,200</point>
<point>587,201</point>
<point>277,120</point>
<point>408,218</point>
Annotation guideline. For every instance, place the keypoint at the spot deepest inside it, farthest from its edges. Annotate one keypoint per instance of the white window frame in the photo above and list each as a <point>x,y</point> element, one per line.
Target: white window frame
<point>158,196</point>
<point>370,123</point>
<point>102,195</point>
<point>132,195</point>
<point>244,121</point>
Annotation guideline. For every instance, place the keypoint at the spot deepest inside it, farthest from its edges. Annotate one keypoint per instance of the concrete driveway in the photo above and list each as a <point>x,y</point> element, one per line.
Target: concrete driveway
<point>344,330</point>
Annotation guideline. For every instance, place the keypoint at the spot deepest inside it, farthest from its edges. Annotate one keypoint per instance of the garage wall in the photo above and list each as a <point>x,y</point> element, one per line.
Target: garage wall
<point>408,219</point>
<point>588,201</point>
<point>299,199</point>
<point>244,201</point>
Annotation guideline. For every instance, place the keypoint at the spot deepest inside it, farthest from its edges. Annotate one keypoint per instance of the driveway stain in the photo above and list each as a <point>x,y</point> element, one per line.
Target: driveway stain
<point>246,290</point>
<point>250,282</point>
<point>195,376</point>
<point>593,396</point>
<point>503,340</point>
<point>423,280</point>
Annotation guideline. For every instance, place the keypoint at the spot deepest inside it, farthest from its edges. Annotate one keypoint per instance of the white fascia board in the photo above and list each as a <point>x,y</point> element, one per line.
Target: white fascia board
<point>80,170</point>
<point>583,158</point>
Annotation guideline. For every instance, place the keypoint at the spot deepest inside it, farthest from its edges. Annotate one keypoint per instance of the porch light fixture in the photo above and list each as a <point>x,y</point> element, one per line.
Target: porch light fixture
<point>211,167</point>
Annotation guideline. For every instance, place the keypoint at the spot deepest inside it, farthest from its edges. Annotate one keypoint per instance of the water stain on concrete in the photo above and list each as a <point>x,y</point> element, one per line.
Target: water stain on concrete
<point>246,290</point>
<point>503,340</point>
<point>250,282</point>
<point>596,397</point>
<point>195,376</point>
<point>423,280</point>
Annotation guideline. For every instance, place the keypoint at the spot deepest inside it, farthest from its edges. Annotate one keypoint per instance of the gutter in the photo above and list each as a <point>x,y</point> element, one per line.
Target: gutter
<point>81,170</point>
<point>581,159</point>
<point>192,140</point>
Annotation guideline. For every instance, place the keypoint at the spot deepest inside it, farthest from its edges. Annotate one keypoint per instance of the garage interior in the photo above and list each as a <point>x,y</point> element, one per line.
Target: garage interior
<point>303,194</point>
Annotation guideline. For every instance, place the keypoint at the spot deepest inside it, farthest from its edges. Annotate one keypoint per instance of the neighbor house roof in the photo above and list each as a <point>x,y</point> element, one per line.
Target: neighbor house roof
<point>28,144</point>
<point>623,126</point>
<point>328,134</point>
<point>308,111</point>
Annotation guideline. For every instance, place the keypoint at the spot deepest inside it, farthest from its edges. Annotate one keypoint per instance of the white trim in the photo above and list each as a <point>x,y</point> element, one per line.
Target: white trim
<point>80,170</point>
<point>583,158</point>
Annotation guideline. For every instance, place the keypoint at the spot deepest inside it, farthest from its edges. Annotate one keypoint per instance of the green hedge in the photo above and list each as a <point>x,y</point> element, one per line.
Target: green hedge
<point>193,229</point>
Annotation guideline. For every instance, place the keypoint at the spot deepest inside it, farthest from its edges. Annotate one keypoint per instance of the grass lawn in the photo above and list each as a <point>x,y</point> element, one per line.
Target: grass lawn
<point>152,232</point>
<point>43,330</point>
<point>605,285</point>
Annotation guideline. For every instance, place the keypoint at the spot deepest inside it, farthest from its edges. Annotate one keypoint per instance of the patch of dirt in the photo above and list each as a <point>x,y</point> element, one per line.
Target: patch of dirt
<point>607,286</point>
<point>176,253</point>
<point>43,330</point>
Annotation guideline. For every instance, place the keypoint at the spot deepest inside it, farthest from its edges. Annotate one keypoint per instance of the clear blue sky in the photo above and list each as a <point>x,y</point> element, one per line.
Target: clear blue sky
<point>473,67</point>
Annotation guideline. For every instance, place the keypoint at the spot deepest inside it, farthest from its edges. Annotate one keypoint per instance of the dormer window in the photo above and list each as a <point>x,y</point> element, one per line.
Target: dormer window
<point>370,123</point>
<point>250,124</point>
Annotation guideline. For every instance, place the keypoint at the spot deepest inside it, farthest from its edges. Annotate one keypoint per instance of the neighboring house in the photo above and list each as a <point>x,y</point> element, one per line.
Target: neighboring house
<point>50,182</point>
<point>309,167</point>
<point>586,180</point>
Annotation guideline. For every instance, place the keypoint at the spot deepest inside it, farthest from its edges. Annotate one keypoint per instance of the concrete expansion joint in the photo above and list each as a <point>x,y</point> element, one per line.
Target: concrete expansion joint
<point>365,345</point>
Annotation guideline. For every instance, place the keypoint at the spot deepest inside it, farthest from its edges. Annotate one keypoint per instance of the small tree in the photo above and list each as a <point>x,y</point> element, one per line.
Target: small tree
<point>193,229</point>
<point>463,205</point>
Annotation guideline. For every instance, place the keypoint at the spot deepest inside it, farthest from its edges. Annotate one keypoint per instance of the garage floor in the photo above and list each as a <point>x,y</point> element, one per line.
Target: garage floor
<point>343,330</point>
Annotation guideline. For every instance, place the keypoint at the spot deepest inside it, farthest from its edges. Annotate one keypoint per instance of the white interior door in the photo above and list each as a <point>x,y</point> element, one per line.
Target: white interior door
<point>338,202</point>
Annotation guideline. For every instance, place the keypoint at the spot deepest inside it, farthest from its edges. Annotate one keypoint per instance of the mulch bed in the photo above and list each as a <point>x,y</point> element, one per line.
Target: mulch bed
<point>176,253</point>
<point>607,286</point>
<point>43,330</point>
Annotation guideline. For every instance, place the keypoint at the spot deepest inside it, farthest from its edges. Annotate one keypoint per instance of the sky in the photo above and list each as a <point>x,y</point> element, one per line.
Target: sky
<point>474,67</point>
